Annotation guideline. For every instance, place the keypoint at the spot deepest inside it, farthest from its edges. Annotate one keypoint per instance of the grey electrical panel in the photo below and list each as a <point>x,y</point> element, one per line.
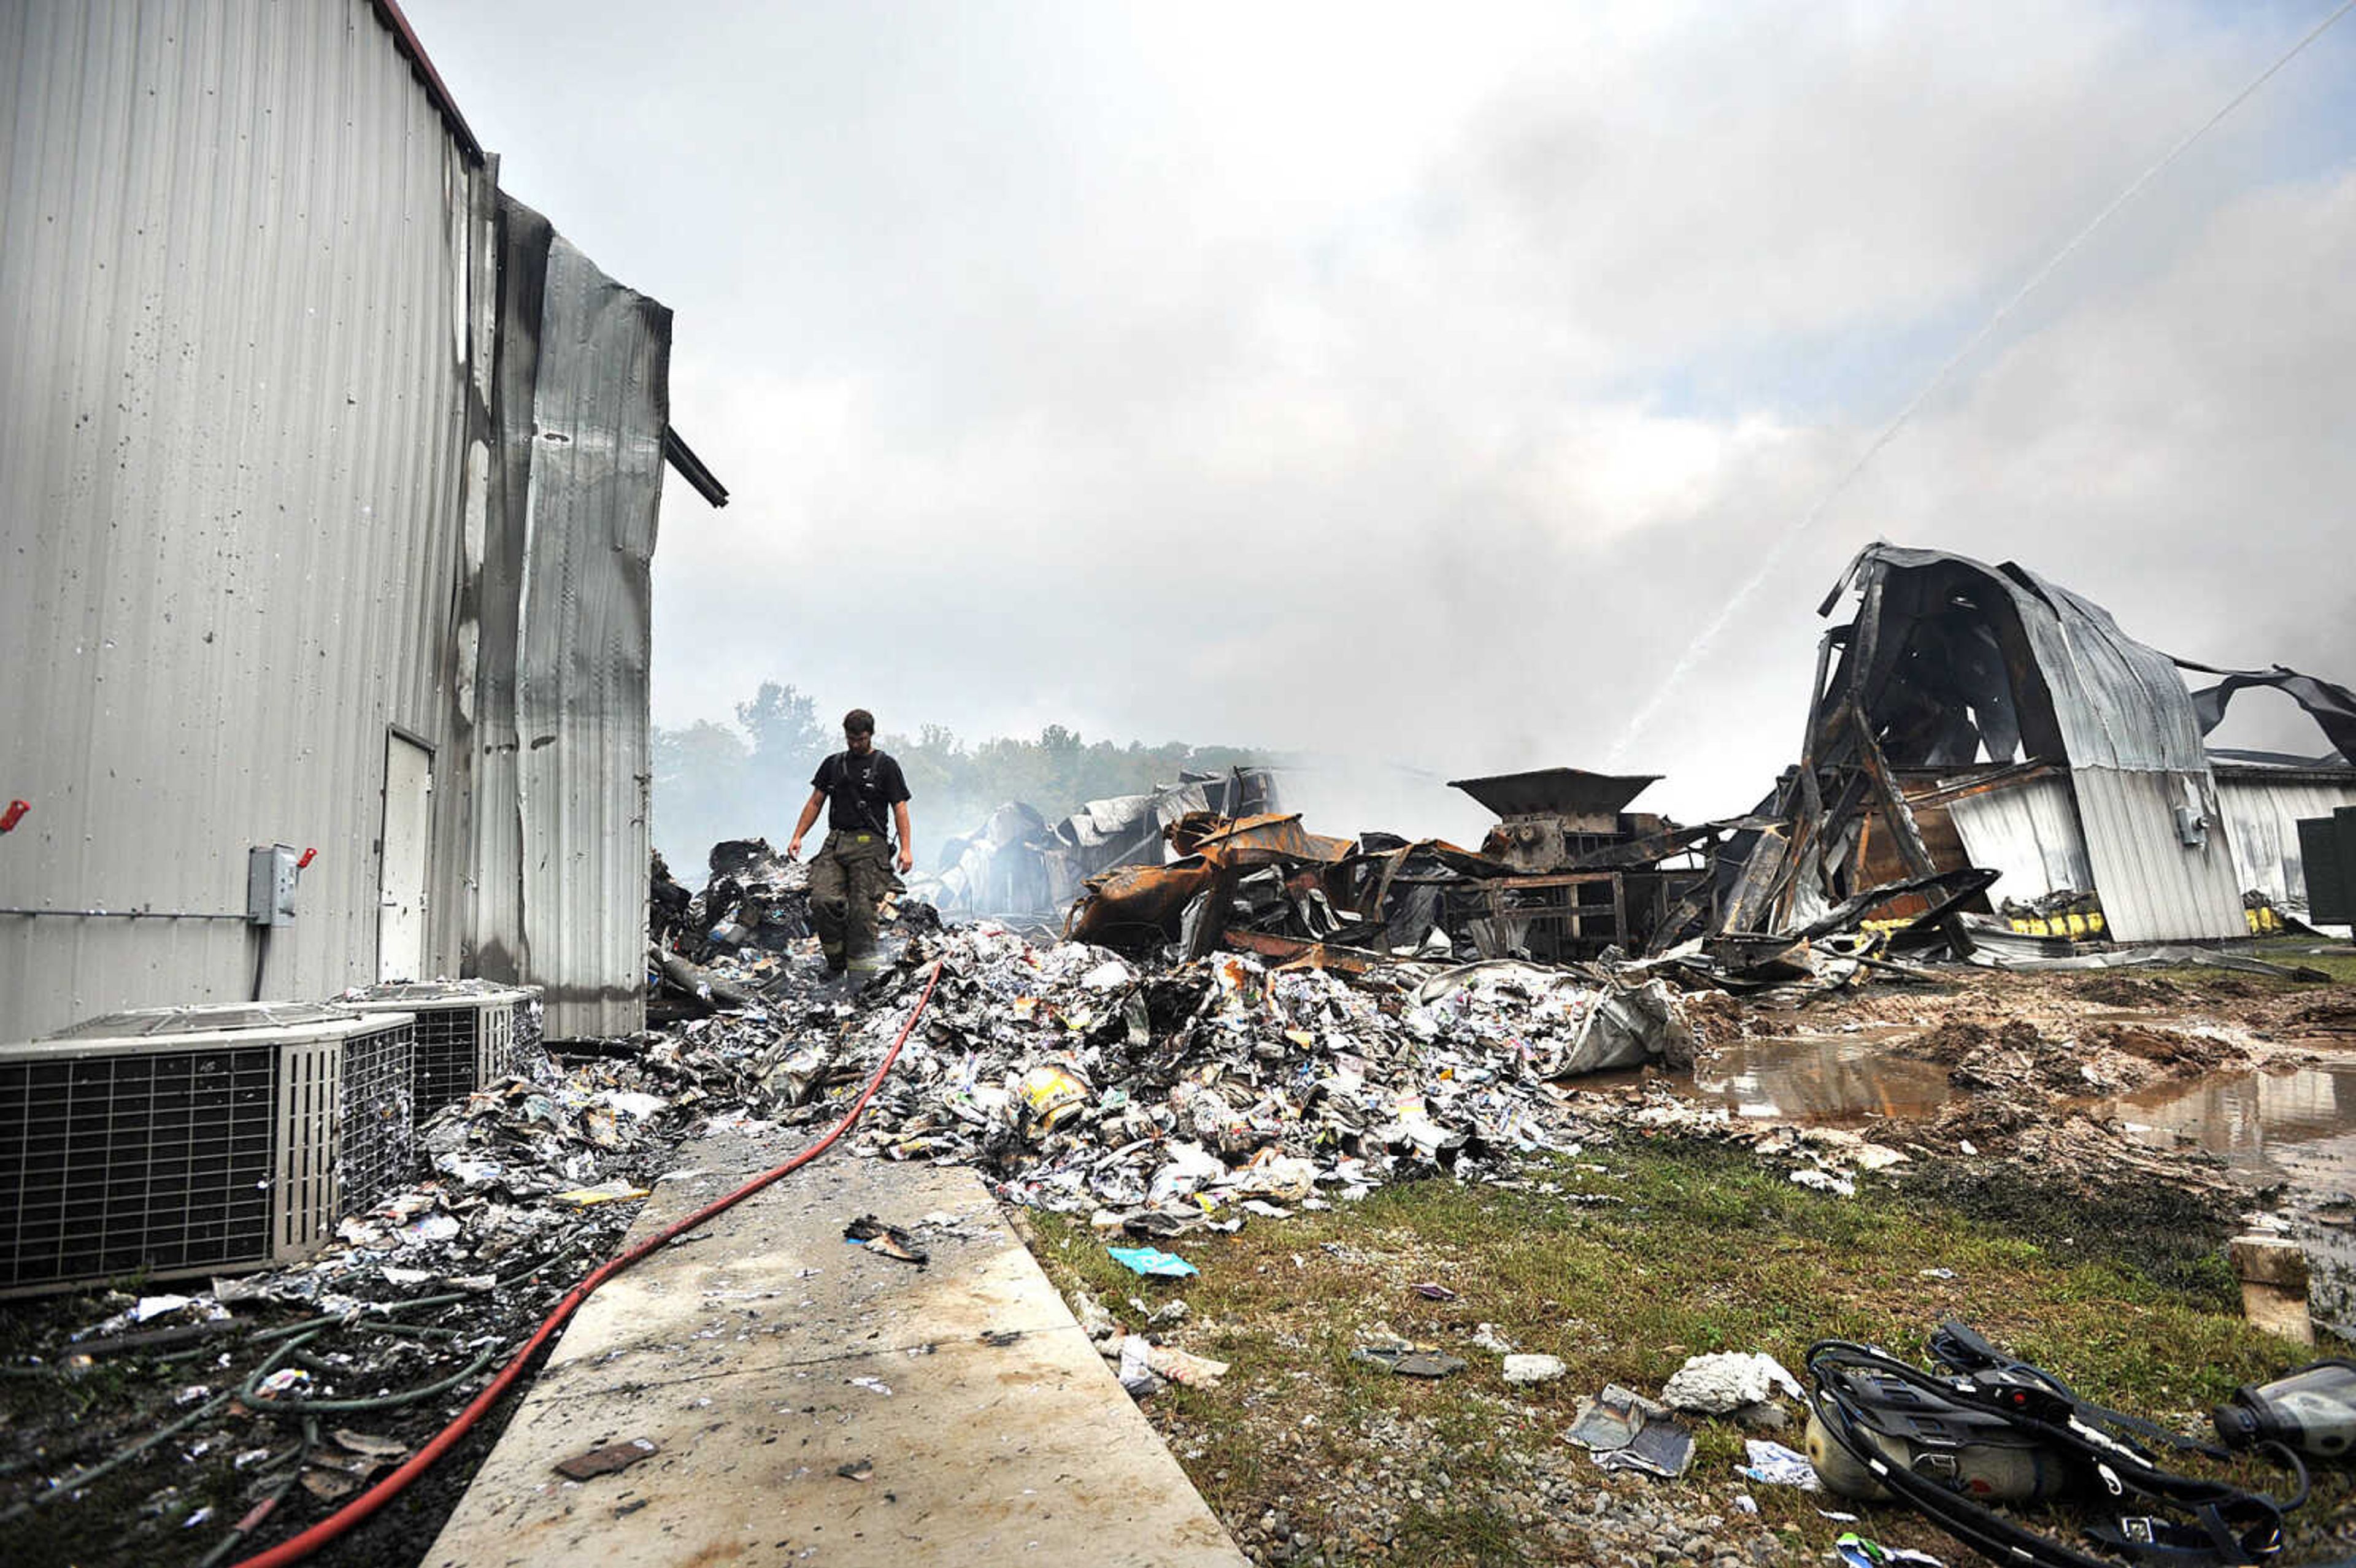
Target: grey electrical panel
<point>270,877</point>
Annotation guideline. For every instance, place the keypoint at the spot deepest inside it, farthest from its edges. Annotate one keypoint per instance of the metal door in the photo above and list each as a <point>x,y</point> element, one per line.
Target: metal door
<point>408,831</point>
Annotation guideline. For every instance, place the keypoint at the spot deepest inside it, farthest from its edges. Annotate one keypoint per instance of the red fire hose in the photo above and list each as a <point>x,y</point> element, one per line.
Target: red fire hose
<point>294,1549</point>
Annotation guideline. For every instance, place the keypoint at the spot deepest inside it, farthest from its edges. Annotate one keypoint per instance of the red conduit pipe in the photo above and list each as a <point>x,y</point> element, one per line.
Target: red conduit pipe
<point>295,1548</point>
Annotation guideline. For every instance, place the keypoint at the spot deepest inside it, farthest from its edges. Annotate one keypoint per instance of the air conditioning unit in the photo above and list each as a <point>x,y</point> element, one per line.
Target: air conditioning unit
<point>174,1141</point>
<point>469,1032</point>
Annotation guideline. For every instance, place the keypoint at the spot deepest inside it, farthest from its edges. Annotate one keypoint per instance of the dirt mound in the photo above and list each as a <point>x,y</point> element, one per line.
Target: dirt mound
<point>1956,1041</point>
<point>2133,991</point>
<point>2175,1052</point>
<point>2334,1012</point>
<point>1717,1017</point>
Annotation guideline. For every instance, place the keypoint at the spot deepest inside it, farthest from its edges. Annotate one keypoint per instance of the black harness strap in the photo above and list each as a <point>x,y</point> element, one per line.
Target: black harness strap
<point>2231,1527</point>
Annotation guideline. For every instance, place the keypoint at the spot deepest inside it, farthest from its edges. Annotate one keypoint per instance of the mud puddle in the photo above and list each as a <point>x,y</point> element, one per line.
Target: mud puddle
<point>1845,1080</point>
<point>2295,1126</point>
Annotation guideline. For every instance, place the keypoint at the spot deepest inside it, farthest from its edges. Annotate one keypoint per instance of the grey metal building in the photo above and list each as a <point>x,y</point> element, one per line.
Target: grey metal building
<point>328,477</point>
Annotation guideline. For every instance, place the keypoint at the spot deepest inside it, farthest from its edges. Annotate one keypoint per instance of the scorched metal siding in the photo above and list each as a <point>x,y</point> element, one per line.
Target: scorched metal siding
<point>562,837</point>
<point>2262,818</point>
<point>2029,834</point>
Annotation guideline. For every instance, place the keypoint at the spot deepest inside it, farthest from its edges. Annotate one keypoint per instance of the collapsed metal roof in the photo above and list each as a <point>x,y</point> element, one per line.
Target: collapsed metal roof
<point>1953,673</point>
<point>1957,657</point>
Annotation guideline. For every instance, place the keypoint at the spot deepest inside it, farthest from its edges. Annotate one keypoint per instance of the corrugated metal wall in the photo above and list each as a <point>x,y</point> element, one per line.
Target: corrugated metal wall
<point>2028,832</point>
<point>582,406</point>
<point>2262,820</point>
<point>291,454</point>
<point>2154,887</point>
<point>233,282</point>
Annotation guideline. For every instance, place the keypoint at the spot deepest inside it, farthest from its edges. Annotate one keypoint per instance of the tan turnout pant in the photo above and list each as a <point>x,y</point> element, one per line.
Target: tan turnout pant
<point>849,876</point>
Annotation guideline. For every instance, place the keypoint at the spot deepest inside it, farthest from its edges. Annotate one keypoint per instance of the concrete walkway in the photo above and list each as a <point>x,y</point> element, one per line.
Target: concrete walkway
<point>762,1355</point>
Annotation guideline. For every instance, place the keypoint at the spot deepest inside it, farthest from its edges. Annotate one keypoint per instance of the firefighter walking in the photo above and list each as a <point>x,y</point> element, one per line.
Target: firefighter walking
<point>853,869</point>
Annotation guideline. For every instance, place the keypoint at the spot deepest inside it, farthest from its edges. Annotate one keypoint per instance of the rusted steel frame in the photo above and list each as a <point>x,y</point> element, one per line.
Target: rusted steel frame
<point>1694,904</point>
<point>2013,773</point>
<point>1552,880</point>
<point>1903,828</point>
<point>1391,864</point>
<point>1810,801</point>
<point>1292,950</point>
<point>1661,846</point>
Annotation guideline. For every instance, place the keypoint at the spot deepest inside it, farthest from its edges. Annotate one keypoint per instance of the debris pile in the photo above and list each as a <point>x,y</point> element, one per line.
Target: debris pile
<point>1168,1102</point>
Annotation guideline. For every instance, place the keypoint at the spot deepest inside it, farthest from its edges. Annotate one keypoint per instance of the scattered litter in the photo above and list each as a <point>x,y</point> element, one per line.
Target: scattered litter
<point>1727,1380</point>
<point>1409,1361</point>
<point>1433,1292</point>
<point>432,1227</point>
<point>613,1190</point>
<point>856,1470</point>
<point>1773,1465</point>
<point>1094,1320</point>
<point>1152,1260</point>
<point>886,1240</point>
<point>1179,1366</point>
<point>1136,1371</point>
<point>1859,1553</point>
<point>606,1461</point>
<point>1533,1369</point>
<point>374,1448</point>
<point>1612,1418</point>
<point>1937,1273</point>
<point>282,1381</point>
<point>872,1385</point>
<point>1659,1448</point>
<point>201,1516</point>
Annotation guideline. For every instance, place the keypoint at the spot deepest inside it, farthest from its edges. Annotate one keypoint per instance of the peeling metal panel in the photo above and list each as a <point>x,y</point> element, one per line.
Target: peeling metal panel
<point>233,274</point>
<point>2262,818</point>
<point>2029,834</point>
<point>583,641</point>
<point>2154,887</point>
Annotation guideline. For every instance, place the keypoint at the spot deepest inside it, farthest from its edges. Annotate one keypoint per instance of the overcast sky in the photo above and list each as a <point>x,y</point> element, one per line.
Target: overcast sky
<point>1412,384</point>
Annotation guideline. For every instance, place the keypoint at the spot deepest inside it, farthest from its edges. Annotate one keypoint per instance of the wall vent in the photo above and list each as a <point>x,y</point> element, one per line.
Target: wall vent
<point>193,1140</point>
<point>469,1032</point>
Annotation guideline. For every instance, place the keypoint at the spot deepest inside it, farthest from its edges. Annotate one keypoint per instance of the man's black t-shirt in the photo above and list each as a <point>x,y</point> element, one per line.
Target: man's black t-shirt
<point>860,791</point>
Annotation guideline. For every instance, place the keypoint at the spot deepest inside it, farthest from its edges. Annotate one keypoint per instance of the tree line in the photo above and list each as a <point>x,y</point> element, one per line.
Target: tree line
<point>715,781</point>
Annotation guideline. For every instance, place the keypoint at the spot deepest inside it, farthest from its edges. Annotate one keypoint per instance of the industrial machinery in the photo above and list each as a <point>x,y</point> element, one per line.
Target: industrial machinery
<point>1589,874</point>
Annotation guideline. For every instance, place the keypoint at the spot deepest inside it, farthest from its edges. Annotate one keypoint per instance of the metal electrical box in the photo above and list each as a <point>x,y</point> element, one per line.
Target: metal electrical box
<point>270,876</point>
<point>2326,847</point>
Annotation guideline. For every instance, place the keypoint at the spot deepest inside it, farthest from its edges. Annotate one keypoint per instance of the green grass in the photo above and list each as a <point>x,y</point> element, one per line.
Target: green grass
<point>2126,1297</point>
<point>2339,960</point>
